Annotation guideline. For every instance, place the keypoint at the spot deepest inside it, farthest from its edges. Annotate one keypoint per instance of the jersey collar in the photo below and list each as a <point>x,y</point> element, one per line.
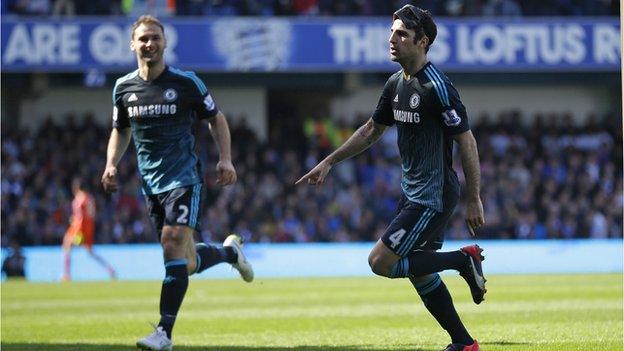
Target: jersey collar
<point>162,74</point>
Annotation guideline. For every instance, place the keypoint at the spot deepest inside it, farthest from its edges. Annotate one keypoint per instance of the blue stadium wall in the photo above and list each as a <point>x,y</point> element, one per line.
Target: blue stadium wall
<point>144,261</point>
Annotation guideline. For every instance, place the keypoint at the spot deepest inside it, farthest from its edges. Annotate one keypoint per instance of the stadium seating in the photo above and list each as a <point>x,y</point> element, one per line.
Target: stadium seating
<point>551,179</point>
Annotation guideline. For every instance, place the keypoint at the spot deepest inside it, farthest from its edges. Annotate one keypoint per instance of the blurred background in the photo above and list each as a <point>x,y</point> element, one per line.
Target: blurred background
<point>540,80</point>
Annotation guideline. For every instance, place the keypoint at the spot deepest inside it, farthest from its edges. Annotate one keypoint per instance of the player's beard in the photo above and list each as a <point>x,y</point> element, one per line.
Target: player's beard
<point>152,59</point>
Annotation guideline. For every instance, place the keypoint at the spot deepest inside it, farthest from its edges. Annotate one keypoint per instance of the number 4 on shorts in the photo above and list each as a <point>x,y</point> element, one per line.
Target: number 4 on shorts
<point>396,237</point>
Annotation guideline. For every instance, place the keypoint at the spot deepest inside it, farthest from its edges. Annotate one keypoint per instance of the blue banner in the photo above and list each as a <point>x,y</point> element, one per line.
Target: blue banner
<point>313,45</point>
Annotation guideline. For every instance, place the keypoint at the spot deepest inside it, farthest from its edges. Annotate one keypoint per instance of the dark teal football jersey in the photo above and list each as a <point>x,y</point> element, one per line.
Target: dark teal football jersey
<point>161,113</point>
<point>427,112</point>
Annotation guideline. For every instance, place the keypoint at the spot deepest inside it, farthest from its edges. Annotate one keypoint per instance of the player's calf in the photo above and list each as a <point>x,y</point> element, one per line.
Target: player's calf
<point>207,256</point>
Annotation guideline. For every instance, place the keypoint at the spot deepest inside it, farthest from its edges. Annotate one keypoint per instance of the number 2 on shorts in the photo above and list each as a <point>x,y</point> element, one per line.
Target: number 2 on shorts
<point>182,218</point>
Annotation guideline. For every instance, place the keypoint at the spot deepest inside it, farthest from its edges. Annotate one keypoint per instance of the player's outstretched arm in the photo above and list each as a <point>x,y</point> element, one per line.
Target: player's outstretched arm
<point>472,172</point>
<point>220,131</point>
<point>361,140</point>
<point>117,145</point>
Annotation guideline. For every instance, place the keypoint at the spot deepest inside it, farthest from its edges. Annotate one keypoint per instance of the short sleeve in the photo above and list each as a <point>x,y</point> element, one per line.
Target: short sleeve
<point>452,111</point>
<point>383,111</point>
<point>202,102</point>
<point>205,107</point>
<point>120,115</point>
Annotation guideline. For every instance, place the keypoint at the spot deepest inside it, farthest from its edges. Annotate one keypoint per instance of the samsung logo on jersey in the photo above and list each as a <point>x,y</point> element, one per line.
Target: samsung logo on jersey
<point>406,116</point>
<point>152,110</point>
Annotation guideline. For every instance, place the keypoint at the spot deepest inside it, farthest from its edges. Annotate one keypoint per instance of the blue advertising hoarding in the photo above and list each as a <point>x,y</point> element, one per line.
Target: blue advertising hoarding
<point>313,45</point>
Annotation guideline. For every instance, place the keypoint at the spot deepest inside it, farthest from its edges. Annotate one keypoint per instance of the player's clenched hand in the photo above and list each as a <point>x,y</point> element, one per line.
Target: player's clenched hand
<point>474,215</point>
<point>317,175</point>
<point>109,179</point>
<point>226,174</point>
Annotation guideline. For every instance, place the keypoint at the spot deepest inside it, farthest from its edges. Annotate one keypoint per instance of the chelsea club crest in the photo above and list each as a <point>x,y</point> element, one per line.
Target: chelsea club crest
<point>170,95</point>
<point>414,100</point>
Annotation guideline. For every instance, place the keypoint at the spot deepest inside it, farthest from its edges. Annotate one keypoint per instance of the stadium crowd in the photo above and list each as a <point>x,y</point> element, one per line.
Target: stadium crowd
<point>451,8</point>
<point>551,179</point>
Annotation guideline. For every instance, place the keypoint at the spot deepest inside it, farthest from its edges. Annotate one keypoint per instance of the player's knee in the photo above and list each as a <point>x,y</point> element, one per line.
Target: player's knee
<point>172,241</point>
<point>378,265</point>
<point>169,247</point>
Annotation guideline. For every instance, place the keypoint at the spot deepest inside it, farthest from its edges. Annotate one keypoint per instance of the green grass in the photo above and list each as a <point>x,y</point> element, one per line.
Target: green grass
<point>541,312</point>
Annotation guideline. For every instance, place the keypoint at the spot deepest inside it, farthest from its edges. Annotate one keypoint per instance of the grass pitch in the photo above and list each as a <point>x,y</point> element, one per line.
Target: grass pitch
<point>543,312</point>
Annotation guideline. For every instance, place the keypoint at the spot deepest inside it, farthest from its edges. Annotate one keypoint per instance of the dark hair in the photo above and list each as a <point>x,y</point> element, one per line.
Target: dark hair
<point>419,20</point>
<point>146,19</point>
<point>79,182</point>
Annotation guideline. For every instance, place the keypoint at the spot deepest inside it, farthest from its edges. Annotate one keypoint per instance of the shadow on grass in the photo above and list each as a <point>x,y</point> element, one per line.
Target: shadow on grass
<point>94,347</point>
<point>504,343</point>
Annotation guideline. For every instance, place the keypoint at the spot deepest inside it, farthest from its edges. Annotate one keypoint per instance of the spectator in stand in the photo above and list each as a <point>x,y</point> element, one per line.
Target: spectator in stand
<point>502,8</point>
<point>13,264</point>
<point>28,7</point>
<point>157,8</point>
<point>64,7</point>
<point>550,179</point>
<point>448,8</point>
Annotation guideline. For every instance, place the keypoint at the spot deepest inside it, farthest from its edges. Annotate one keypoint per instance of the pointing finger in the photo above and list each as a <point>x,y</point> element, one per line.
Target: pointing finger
<point>307,176</point>
<point>470,228</point>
